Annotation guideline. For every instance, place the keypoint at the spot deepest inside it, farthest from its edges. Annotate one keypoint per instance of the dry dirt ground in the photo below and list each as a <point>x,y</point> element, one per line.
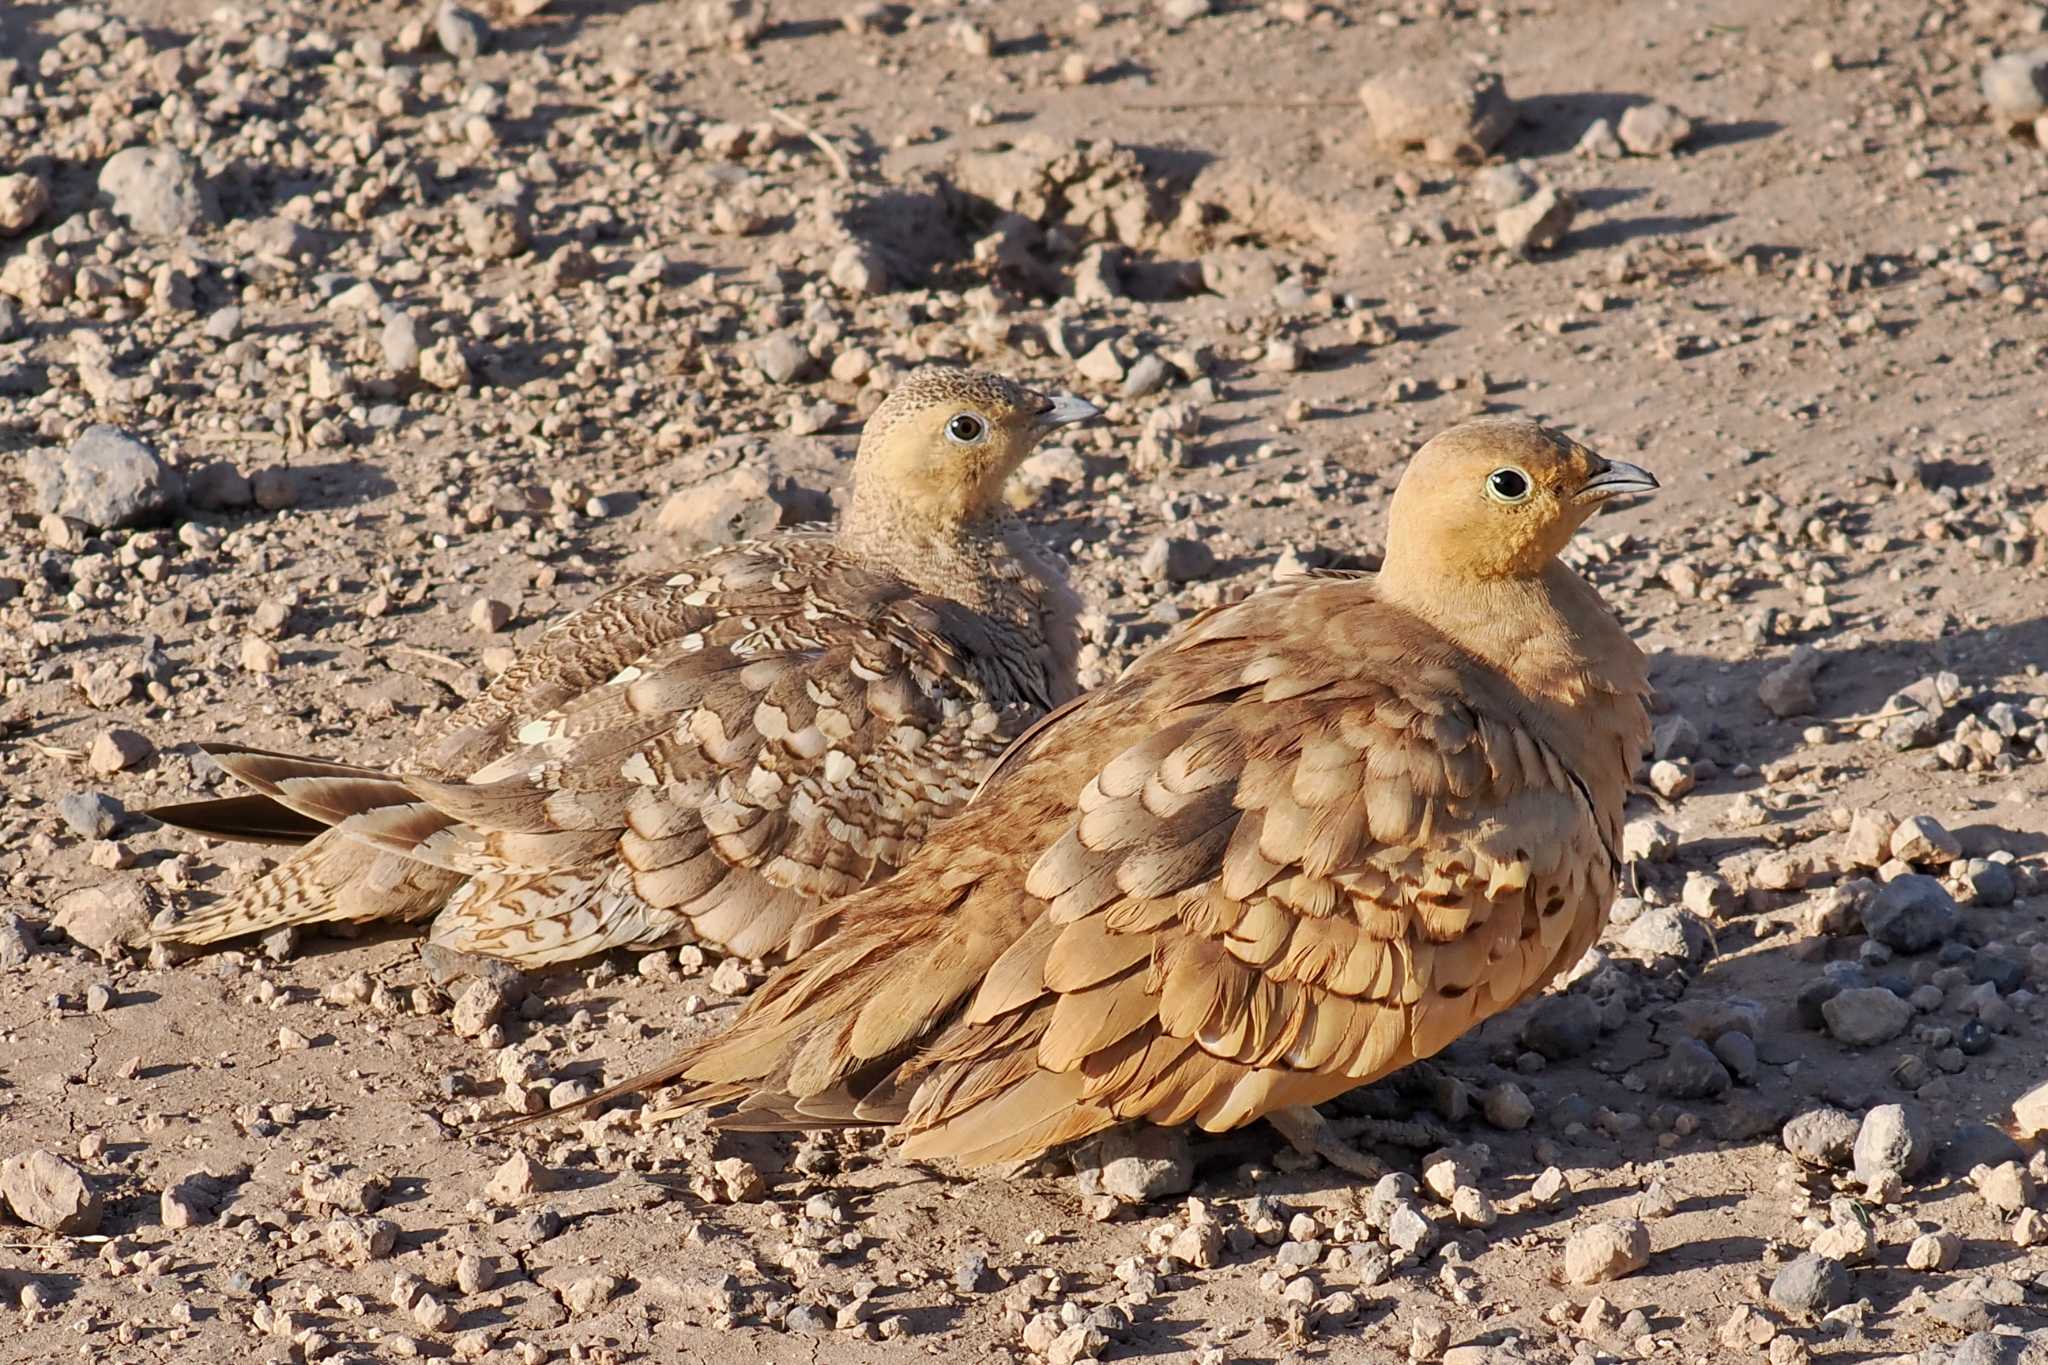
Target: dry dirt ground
<point>511,325</point>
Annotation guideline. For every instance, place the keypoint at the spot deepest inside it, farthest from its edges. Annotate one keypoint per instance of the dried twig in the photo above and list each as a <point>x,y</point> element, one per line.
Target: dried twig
<point>816,139</point>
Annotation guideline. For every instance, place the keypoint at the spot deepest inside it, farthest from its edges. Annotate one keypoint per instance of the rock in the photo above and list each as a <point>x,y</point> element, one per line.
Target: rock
<point>2015,87</point>
<point>737,504</point>
<point>190,1201</point>
<point>1447,112</point>
<point>1865,1016</point>
<point>780,357</point>
<point>1810,1285</point>
<point>1691,1072</point>
<point>109,917</point>
<point>1707,895</point>
<point>1654,129</point>
<point>1599,142</point>
<point>445,365</point>
<point>859,270</point>
<point>1666,932</point>
<point>1605,1251</point>
<point>218,487</point>
<point>106,479</point>
<point>23,199</point>
<point>1988,881</point>
<point>518,1179</point>
<point>17,939</point>
<point>91,815</point>
<point>1922,841</point>
<point>1176,560</point>
<point>1504,186</point>
<point>1561,1027</point>
<point>1537,223</point>
<point>1822,1137</point>
<point>351,1240</point>
<point>1869,842</point>
<point>1892,1141</point>
<point>400,342</point>
<point>1649,841</point>
<point>46,1191</point>
<point>2006,1187</point>
<point>117,750</point>
<point>494,229</point>
<point>1934,1251</point>
<point>1508,1107</point>
<point>2030,1111</point>
<point>159,191</point>
<point>461,33</point>
<point>1787,690</point>
<point>1911,914</point>
<point>1137,1165</point>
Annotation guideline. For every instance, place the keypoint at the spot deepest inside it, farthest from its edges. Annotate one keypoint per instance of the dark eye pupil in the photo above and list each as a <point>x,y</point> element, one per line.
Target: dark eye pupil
<point>966,428</point>
<point>1509,484</point>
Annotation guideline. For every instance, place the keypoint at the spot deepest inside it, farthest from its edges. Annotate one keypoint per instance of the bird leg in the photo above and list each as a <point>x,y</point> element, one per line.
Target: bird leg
<point>1308,1132</point>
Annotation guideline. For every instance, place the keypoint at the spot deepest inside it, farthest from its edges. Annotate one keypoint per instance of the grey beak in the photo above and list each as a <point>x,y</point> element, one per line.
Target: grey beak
<point>1066,408</point>
<point>1619,479</point>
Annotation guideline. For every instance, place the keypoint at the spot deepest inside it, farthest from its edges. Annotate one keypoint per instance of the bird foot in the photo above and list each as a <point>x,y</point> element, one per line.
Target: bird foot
<point>1308,1132</point>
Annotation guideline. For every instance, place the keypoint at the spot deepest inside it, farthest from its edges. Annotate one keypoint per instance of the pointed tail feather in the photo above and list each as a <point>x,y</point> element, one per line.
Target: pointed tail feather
<point>240,819</point>
<point>331,879</point>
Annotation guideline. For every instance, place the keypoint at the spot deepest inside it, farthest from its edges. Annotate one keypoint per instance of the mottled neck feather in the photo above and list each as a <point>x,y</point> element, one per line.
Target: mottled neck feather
<point>944,556</point>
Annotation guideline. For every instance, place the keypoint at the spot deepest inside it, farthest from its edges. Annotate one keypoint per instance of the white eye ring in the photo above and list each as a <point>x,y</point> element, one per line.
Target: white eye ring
<point>1509,485</point>
<point>966,429</point>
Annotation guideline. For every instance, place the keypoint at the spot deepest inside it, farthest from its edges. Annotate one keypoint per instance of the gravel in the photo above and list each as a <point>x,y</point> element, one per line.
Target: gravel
<point>159,191</point>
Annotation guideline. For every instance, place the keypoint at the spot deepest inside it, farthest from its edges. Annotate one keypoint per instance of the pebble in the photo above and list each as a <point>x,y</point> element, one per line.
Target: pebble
<point>1691,1071</point>
<point>461,33</point>
<point>1654,129</point>
<point>1911,914</point>
<point>1598,142</point>
<point>116,751</point>
<point>1810,1285</point>
<point>1446,112</point>
<point>1137,1165</point>
<point>519,1179</point>
<point>2015,86</point>
<point>1562,1027</point>
<point>1787,690</point>
<point>159,191</point>
<point>1537,223</point>
<point>106,479</point>
<point>780,358</point>
<point>1865,1016</point>
<point>2030,1111</point>
<point>1822,1137</point>
<point>46,1191</point>
<point>1667,932</point>
<point>1176,560</point>
<point>1921,840</point>
<point>24,197</point>
<point>91,815</point>
<point>494,229</point>
<point>1605,1251</point>
<point>1891,1141</point>
<point>1508,1107</point>
<point>1934,1251</point>
<point>1503,185</point>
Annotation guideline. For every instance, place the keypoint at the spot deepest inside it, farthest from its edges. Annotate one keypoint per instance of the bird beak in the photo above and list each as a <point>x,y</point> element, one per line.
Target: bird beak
<point>1064,409</point>
<point>1617,480</point>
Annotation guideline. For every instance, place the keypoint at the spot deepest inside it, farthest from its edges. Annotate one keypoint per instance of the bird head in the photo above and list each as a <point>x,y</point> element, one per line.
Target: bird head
<point>940,447</point>
<point>1498,498</point>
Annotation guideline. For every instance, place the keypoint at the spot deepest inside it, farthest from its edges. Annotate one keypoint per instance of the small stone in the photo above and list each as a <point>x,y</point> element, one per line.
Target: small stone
<point>259,656</point>
<point>1691,1071</point>
<point>107,479</point>
<point>91,815</point>
<point>108,918</point>
<point>740,1181</point>
<point>589,1292</point>
<point>1648,841</point>
<point>1667,932</point>
<point>1537,223</point>
<point>1865,1016</point>
<point>1822,1137</point>
<point>2006,1187</point>
<point>1508,1107</point>
<point>444,365</point>
<point>46,1191</point>
<point>1138,1165</point>
<point>159,191</point>
<point>1788,689</point>
<point>23,199</point>
<point>1503,185</point>
<point>1605,1251</point>
<point>2015,87</point>
<point>1869,841</point>
<point>1911,914</point>
<point>116,751</point>
<point>489,615</point>
<point>2030,1111</point>
<point>1176,560</point>
<point>860,271</point>
<point>1921,841</point>
<point>1891,1141</point>
<point>1562,1027</point>
<point>1934,1251</point>
<point>1707,895</point>
<point>495,229</point>
<point>189,1202</point>
<point>1810,1285</point>
<point>461,33</point>
<point>1598,142</point>
<point>400,342</point>
<point>1654,129</point>
<point>517,1180</point>
<point>1672,779</point>
<point>780,358</point>
<point>1446,112</point>
<point>352,1240</point>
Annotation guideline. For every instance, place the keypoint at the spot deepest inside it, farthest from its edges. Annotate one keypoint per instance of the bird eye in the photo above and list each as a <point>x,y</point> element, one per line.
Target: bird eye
<point>966,429</point>
<point>1508,485</point>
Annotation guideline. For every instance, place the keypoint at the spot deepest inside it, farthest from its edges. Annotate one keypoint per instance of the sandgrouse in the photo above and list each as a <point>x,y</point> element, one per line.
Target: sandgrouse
<point>1310,838</point>
<point>706,754</point>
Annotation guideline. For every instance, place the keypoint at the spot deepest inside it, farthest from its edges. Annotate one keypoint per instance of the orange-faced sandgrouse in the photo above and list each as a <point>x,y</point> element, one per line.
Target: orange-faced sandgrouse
<point>1309,838</point>
<point>707,754</point>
